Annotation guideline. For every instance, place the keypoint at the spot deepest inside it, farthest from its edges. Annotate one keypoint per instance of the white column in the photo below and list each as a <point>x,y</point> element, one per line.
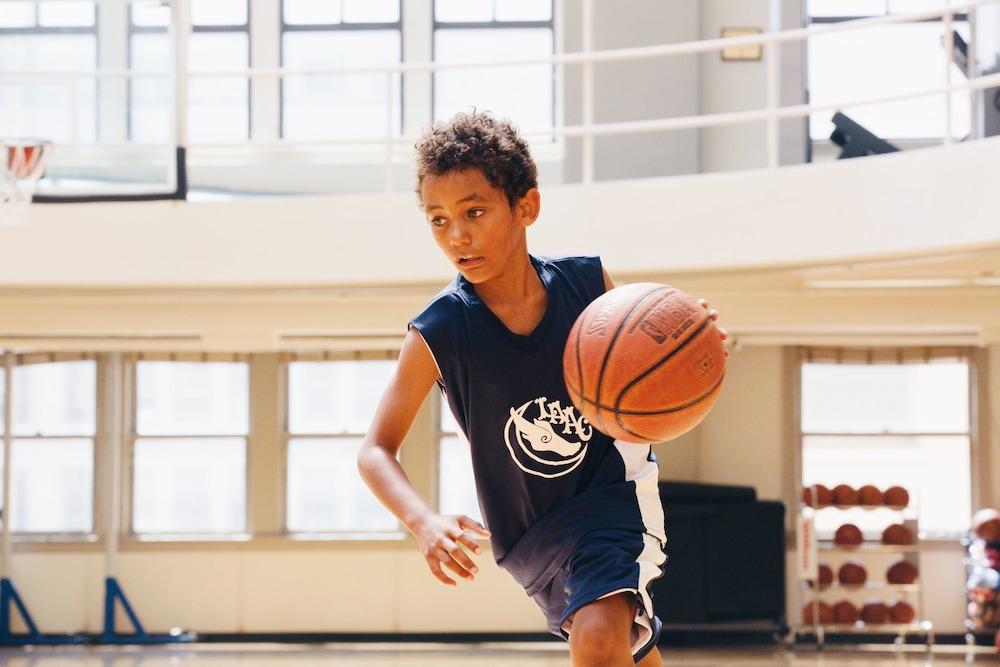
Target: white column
<point>772,56</point>
<point>265,92</point>
<point>180,29</point>
<point>112,46</point>
<point>110,444</point>
<point>949,47</point>
<point>8,421</point>
<point>418,41</point>
<point>587,42</point>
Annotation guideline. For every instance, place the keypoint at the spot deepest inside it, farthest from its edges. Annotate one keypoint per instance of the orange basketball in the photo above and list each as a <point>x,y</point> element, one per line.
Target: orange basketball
<point>644,363</point>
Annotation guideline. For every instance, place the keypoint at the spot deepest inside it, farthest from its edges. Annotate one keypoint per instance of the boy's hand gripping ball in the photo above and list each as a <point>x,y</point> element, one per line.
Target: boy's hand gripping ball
<point>644,363</point>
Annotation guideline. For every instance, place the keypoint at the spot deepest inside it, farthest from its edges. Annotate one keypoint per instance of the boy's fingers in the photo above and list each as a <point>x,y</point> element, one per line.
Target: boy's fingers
<point>471,524</point>
<point>459,556</point>
<point>452,564</point>
<point>439,573</point>
<point>714,314</point>
<point>466,539</point>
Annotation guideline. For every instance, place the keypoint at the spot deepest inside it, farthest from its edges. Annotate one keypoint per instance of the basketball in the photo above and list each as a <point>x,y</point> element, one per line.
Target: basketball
<point>901,572</point>
<point>875,612</point>
<point>846,613</point>
<point>848,535</point>
<point>901,611</point>
<point>897,533</point>
<point>845,494</point>
<point>852,573</point>
<point>644,363</point>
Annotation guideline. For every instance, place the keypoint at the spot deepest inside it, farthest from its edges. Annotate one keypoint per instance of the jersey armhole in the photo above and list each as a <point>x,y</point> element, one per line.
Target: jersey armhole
<point>440,377</point>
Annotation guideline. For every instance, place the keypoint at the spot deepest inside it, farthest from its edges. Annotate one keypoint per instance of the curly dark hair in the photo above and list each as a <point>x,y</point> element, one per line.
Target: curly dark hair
<point>478,140</point>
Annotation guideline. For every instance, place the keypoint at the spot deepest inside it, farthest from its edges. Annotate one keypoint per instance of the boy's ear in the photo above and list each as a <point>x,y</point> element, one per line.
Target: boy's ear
<point>529,206</point>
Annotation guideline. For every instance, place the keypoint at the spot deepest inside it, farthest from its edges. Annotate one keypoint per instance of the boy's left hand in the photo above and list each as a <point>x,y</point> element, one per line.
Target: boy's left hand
<point>714,315</point>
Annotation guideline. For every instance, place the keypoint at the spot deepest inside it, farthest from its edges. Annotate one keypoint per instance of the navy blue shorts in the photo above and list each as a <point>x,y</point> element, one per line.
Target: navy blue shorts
<point>603,563</point>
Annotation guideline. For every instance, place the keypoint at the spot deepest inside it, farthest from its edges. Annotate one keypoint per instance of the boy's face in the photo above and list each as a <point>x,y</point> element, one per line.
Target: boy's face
<point>473,224</point>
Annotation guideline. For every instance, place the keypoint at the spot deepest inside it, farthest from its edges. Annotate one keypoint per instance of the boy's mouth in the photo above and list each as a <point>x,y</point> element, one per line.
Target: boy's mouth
<point>469,261</point>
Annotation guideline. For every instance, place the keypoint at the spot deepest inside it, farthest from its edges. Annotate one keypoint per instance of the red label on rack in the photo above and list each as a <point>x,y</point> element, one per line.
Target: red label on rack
<point>806,547</point>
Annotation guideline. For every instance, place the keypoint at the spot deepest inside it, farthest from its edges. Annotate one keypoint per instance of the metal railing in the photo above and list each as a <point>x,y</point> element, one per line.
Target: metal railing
<point>588,129</point>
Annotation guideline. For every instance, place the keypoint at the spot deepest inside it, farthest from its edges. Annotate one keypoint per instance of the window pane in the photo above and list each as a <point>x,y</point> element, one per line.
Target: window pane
<point>218,108</point>
<point>190,485</point>
<point>325,492</point>
<point>335,396</point>
<point>191,398</point>
<point>150,13</point>
<point>310,12</point>
<point>522,93</point>
<point>52,485</point>
<point>57,398</point>
<point>40,106</point>
<point>935,470</point>
<point>150,117</point>
<point>219,12</point>
<point>876,62</point>
<point>65,13</point>
<point>911,6</point>
<point>463,10</point>
<point>448,423</point>
<point>340,106</point>
<point>371,11</point>
<point>456,483</point>
<point>523,10</point>
<point>914,398</point>
<point>17,15</point>
<point>846,7</point>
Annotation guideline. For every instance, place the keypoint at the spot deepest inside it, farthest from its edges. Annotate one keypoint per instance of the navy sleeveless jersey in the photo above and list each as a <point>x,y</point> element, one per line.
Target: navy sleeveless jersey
<point>544,475</point>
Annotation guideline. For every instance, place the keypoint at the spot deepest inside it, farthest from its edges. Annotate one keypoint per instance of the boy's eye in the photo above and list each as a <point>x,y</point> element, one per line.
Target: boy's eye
<point>476,212</point>
<point>437,222</point>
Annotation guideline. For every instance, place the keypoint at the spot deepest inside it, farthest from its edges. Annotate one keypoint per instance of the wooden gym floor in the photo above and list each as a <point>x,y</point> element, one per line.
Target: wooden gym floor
<point>451,655</point>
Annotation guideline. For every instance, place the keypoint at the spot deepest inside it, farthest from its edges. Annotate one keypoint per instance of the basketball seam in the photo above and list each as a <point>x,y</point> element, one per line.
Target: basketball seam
<point>642,376</point>
<point>654,413</point>
<point>611,347</point>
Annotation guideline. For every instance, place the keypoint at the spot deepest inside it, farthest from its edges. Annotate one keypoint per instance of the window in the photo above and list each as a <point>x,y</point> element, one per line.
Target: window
<point>49,35</point>
<point>218,107</point>
<point>456,483</point>
<point>483,31</point>
<point>54,412</point>
<point>886,424</point>
<point>330,407</point>
<point>881,61</point>
<point>189,447</point>
<point>340,33</point>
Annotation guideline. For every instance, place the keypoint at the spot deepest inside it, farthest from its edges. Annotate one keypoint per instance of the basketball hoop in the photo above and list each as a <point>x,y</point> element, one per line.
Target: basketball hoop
<point>22,163</point>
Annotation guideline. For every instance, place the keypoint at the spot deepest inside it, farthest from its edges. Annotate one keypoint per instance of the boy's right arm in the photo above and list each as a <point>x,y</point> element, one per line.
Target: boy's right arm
<point>440,537</point>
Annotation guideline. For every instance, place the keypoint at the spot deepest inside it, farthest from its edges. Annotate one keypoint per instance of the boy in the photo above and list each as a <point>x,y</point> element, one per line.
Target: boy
<point>573,515</point>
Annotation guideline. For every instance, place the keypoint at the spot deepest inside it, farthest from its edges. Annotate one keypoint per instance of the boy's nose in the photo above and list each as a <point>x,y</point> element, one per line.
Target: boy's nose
<point>459,235</point>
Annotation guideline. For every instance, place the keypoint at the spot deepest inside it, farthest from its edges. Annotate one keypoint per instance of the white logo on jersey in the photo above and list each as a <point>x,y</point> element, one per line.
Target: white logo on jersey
<point>534,444</point>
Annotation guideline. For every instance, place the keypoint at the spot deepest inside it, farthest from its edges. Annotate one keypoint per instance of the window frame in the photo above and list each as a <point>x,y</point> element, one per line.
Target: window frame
<point>94,30</point>
<point>798,356</point>
<point>494,24</point>
<point>130,436</point>
<point>825,146</point>
<point>12,360</point>
<point>131,29</point>
<point>286,436</point>
<point>285,28</point>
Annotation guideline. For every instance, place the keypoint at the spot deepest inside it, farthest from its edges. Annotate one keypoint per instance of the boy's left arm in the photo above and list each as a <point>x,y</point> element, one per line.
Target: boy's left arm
<point>609,285</point>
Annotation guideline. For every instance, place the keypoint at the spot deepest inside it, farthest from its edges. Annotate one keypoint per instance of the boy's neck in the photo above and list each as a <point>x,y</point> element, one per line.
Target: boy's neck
<point>517,283</point>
